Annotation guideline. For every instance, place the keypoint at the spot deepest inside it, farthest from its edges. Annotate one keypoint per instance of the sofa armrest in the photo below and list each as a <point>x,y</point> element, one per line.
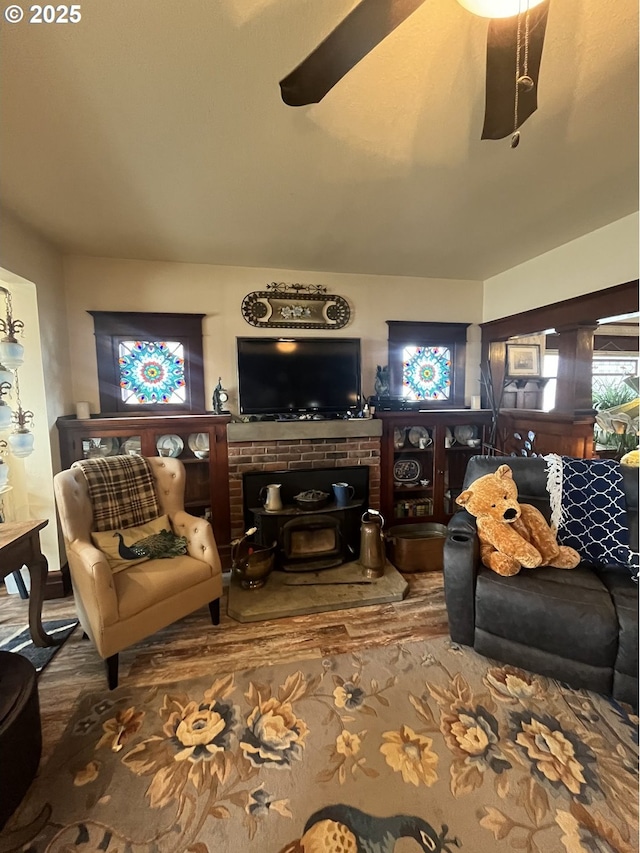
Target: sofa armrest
<point>461,563</point>
<point>201,543</point>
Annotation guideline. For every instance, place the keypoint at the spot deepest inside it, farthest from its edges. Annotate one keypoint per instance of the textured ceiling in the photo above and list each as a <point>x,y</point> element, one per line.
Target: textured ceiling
<point>154,129</point>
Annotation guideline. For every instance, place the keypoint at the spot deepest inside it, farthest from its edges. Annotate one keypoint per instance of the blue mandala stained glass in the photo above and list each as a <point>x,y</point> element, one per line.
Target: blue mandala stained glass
<point>151,372</point>
<point>426,373</point>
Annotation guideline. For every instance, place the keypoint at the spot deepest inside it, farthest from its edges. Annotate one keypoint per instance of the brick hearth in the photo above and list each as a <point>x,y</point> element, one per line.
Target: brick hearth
<point>290,453</point>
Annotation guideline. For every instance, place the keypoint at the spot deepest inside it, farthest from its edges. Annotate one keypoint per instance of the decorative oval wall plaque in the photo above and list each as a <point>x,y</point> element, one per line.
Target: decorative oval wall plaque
<point>303,306</point>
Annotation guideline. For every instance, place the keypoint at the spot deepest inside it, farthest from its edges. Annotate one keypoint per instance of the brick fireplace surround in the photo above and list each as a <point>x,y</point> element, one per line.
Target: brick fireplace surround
<point>295,445</point>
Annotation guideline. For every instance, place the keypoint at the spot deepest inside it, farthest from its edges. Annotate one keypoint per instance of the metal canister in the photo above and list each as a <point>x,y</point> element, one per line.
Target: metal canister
<point>372,553</point>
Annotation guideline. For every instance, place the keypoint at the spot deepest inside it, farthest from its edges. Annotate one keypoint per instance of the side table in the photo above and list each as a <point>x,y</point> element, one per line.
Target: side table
<point>20,546</point>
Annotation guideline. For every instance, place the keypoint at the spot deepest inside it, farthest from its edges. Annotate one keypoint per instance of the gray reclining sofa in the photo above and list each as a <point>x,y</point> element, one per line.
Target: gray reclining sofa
<point>579,626</point>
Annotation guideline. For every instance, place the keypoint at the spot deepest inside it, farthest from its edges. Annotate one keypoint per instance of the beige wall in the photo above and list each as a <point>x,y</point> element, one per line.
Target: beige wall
<point>601,259</point>
<point>120,285</point>
<point>32,270</point>
<point>26,254</point>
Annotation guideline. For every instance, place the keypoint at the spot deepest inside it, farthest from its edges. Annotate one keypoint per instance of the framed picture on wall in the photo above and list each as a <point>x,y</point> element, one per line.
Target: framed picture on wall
<point>523,360</point>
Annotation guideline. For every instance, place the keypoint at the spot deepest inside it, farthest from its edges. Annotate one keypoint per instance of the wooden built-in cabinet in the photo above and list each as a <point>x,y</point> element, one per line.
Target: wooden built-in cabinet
<point>207,479</point>
<point>555,432</point>
<point>423,459</point>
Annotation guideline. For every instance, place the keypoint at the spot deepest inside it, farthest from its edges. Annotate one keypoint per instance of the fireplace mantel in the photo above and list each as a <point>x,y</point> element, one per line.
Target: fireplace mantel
<point>300,430</point>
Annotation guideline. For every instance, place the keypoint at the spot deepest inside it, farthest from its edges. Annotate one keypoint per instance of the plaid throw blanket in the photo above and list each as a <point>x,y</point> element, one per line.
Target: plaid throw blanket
<point>589,510</point>
<point>121,490</point>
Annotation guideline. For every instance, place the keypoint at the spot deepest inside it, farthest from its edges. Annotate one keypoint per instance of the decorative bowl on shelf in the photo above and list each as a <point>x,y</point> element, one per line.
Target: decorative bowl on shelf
<point>464,432</point>
<point>133,446</point>
<point>399,437</point>
<point>109,446</point>
<point>311,499</point>
<point>199,443</point>
<point>170,445</point>
<point>420,437</point>
<point>95,449</point>
<point>407,471</point>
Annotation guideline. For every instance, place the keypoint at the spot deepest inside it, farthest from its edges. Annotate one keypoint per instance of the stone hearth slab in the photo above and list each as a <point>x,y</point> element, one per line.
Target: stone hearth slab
<point>281,596</point>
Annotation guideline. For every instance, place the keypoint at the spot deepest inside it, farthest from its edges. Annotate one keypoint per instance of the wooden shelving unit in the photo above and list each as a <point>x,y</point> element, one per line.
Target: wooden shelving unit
<point>207,480</point>
<point>442,463</point>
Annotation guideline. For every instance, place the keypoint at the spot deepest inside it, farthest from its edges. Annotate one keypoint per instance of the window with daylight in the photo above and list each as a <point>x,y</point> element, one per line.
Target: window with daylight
<point>608,375</point>
<point>427,362</point>
<point>149,362</point>
<point>613,369</point>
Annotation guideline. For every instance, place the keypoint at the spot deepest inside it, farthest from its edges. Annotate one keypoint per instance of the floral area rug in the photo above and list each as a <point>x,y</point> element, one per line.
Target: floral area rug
<point>425,746</point>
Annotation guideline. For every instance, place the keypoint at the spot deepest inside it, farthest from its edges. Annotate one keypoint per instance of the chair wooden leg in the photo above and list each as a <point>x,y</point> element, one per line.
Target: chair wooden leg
<point>214,610</point>
<point>112,671</point>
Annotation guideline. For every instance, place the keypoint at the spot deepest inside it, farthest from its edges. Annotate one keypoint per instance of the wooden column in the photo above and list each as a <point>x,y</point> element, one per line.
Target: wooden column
<point>575,357</point>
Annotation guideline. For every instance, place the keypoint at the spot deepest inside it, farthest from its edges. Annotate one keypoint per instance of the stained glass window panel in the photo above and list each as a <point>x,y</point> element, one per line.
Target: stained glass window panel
<point>151,372</point>
<point>426,373</point>
<point>622,367</point>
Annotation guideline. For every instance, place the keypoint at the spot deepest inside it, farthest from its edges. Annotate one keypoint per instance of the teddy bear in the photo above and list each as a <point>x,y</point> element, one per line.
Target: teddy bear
<point>512,535</point>
<point>631,458</point>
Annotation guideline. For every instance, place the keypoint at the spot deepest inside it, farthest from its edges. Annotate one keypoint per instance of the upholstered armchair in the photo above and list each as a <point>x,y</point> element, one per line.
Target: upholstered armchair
<point>120,606</point>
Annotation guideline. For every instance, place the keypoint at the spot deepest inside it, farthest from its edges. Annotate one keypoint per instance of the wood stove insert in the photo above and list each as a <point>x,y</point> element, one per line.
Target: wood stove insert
<point>311,542</point>
<point>308,540</point>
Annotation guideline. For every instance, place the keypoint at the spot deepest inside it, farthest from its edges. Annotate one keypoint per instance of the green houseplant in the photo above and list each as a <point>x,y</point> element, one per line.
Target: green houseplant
<point>616,427</point>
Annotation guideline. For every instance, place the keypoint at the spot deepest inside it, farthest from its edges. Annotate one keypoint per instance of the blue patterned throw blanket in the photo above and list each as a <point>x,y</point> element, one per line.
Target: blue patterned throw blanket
<point>589,510</point>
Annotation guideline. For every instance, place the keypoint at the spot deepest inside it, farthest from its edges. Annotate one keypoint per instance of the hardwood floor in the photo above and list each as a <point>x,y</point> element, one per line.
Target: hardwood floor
<point>194,647</point>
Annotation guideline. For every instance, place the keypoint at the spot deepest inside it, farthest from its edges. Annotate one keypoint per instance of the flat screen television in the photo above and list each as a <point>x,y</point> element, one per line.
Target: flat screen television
<point>299,375</point>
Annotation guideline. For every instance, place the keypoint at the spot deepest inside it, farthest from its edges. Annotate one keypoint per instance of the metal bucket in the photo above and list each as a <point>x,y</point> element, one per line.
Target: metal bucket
<point>417,547</point>
<point>252,563</point>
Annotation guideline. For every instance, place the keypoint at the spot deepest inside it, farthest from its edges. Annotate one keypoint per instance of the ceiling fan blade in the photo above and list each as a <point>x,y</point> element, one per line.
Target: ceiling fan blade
<point>502,40</point>
<point>354,37</point>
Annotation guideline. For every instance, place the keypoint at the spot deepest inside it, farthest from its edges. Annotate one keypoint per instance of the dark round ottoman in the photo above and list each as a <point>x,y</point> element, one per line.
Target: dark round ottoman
<point>20,731</point>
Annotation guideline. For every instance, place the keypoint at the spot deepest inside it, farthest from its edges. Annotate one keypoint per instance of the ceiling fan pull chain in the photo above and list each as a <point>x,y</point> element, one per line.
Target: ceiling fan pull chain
<point>515,137</point>
<point>523,81</point>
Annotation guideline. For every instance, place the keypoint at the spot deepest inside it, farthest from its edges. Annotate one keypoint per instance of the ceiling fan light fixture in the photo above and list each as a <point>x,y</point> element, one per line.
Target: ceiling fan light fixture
<point>498,8</point>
